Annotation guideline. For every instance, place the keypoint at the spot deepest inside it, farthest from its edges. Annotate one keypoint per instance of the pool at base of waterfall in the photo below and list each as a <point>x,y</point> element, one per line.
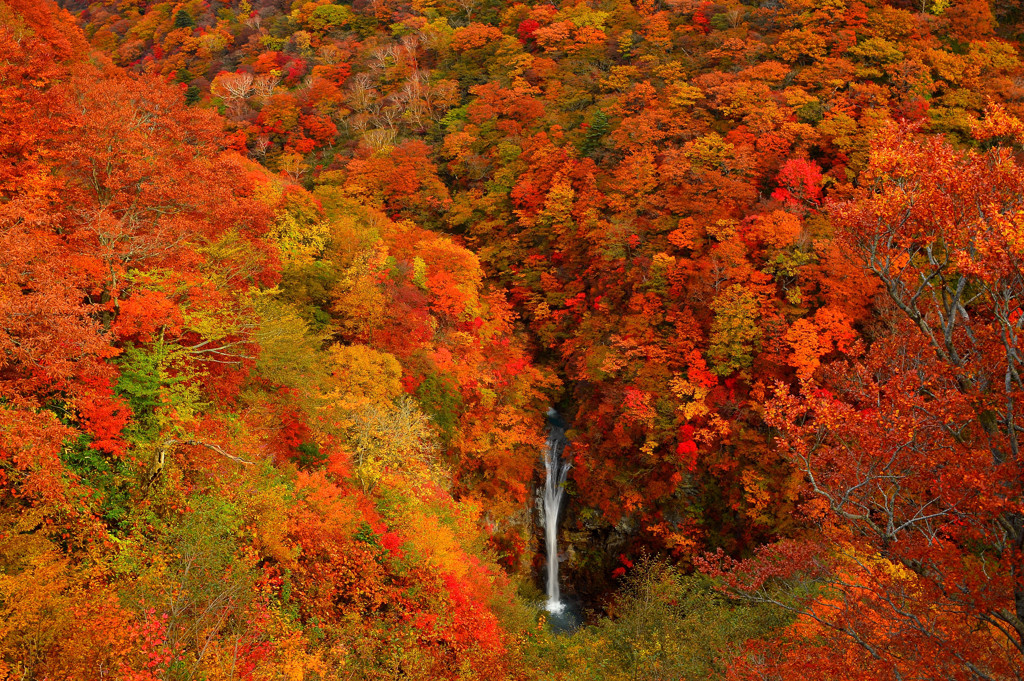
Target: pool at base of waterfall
<point>565,615</point>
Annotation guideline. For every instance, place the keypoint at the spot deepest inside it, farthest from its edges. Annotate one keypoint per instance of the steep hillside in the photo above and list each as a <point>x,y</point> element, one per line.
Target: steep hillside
<point>288,286</point>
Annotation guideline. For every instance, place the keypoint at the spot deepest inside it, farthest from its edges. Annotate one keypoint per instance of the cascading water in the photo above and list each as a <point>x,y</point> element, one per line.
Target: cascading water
<point>554,491</point>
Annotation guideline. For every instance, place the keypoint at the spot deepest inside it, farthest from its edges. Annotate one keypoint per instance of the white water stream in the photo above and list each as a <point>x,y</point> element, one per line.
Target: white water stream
<point>554,492</point>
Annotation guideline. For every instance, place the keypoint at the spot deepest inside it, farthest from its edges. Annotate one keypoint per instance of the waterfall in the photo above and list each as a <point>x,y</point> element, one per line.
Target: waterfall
<point>554,490</point>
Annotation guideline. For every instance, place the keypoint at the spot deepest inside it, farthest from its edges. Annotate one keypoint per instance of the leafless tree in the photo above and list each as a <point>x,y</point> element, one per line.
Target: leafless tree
<point>263,86</point>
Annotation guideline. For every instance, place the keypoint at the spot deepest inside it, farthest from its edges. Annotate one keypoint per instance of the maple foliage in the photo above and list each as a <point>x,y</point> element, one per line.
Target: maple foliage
<point>621,210</point>
<point>286,288</point>
<point>910,450</point>
<point>145,411</point>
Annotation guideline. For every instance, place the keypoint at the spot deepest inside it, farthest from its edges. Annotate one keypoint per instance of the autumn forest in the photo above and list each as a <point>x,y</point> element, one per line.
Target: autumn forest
<point>292,292</point>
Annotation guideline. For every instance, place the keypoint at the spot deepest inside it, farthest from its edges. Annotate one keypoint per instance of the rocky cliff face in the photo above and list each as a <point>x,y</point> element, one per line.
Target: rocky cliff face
<point>589,550</point>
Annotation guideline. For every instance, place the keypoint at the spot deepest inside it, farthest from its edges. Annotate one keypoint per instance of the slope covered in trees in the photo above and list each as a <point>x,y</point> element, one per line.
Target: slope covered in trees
<point>288,285</point>
<point>197,482</point>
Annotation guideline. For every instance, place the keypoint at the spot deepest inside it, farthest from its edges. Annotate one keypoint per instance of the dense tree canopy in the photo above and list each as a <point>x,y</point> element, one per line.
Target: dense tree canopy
<point>286,288</point>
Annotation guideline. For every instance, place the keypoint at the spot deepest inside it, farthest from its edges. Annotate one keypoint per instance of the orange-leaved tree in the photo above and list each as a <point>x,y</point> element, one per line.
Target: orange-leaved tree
<point>911,454</point>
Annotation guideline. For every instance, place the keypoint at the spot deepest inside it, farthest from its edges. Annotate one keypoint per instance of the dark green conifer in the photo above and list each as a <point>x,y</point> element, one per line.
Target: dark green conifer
<point>598,128</point>
<point>183,19</point>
